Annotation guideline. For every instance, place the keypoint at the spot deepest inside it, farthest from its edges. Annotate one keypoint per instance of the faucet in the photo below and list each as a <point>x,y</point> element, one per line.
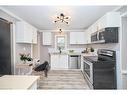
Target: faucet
<point>60,50</point>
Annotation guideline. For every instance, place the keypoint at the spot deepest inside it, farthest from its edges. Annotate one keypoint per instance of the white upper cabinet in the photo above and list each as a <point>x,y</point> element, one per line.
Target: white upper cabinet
<point>25,33</point>
<point>88,36</point>
<point>47,38</point>
<point>111,19</point>
<point>34,36</point>
<point>85,38</point>
<point>77,38</point>
<point>22,33</point>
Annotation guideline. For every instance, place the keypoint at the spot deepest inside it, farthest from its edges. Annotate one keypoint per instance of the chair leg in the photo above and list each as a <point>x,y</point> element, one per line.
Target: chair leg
<point>46,73</point>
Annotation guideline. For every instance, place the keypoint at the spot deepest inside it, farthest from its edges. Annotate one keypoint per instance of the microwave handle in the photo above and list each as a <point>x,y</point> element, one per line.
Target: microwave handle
<point>98,35</point>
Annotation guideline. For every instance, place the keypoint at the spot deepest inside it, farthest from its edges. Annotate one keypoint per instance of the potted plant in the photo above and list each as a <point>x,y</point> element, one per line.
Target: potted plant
<point>25,57</point>
<point>92,49</point>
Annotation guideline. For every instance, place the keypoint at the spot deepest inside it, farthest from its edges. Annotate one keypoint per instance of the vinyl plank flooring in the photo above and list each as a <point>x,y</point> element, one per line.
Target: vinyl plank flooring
<point>62,79</point>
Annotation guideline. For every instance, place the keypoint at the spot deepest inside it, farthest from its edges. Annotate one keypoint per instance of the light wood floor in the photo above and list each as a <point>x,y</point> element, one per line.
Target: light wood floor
<point>63,79</point>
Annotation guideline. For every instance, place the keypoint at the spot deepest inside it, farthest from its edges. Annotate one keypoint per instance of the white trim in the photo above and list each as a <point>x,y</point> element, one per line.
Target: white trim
<point>124,14</point>
<point>13,56</point>
<point>116,9</point>
<point>124,72</point>
<point>65,41</point>
<point>11,14</point>
<point>15,16</point>
<point>120,59</point>
<point>83,30</point>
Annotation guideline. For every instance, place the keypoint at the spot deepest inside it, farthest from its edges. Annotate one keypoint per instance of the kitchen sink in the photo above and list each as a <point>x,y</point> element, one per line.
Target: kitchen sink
<point>59,53</point>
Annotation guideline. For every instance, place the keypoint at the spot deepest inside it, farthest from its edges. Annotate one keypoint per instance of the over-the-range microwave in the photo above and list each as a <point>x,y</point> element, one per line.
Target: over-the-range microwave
<point>106,35</point>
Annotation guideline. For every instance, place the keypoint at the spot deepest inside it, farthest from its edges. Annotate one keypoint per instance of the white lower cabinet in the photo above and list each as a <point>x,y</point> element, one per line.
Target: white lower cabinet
<point>59,61</point>
<point>33,86</point>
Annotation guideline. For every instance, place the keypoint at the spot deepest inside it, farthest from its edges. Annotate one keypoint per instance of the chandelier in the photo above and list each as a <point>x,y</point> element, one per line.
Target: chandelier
<point>62,18</point>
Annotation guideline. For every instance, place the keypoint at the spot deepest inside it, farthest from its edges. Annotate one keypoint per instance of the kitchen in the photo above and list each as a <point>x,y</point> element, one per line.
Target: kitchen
<point>67,47</point>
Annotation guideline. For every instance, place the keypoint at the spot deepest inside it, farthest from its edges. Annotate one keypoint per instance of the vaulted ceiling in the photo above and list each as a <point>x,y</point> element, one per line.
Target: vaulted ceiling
<point>42,17</point>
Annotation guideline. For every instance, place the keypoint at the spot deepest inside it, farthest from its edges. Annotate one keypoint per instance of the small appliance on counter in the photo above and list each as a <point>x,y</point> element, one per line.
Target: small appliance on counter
<point>100,71</point>
<point>85,51</point>
<point>88,50</point>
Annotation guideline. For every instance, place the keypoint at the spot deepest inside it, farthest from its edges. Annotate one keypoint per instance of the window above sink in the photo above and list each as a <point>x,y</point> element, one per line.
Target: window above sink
<point>60,42</point>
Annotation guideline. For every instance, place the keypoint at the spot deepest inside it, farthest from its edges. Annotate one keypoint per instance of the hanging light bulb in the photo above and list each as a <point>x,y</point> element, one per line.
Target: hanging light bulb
<point>60,30</point>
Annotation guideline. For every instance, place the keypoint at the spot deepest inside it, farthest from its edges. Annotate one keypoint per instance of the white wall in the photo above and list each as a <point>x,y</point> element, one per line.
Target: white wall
<point>123,56</point>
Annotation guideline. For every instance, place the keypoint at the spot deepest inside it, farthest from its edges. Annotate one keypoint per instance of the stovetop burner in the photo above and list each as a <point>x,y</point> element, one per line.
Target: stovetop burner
<point>92,58</point>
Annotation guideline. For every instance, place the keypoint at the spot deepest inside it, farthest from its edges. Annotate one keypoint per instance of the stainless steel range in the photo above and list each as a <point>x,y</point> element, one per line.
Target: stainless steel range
<point>100,71</point>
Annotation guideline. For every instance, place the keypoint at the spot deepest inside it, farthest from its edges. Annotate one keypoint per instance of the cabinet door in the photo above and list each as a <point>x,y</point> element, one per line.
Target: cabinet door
<point>27,33</point>
<point>63,62</point>
<point>113,19</point>
<point>19,32</point>
<point>94,28</point>
<point>59,61</point>
<point>47,38</point>
<point>80,37</point>
<point>54,61</point>
<point>73,39</point>
<point>34,37</point>
<point>88,33</point>
<point>85,37</point>
<point>77,38</point>
<point>23,32</point>
<point>102,22</point>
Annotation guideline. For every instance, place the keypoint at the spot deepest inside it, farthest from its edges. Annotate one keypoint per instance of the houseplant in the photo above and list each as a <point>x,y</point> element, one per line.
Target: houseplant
<point>92,49</point>
<point>25,57</point>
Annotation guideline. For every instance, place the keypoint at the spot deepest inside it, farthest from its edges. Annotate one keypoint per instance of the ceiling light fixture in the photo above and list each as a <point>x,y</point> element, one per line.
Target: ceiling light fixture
<point>62,18</point>
<point>60,30</point>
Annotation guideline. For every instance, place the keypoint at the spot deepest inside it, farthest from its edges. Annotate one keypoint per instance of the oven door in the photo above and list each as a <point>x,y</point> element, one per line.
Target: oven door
<point>88,70</point>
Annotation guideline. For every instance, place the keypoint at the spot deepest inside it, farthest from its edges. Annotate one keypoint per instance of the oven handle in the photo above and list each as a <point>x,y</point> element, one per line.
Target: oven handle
<point>87,62</point>
<point>91,70</point>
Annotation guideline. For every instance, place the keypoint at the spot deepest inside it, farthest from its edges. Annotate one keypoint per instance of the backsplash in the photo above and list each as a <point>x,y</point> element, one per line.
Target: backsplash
<point>111,46</point>
<point>50,50</point>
